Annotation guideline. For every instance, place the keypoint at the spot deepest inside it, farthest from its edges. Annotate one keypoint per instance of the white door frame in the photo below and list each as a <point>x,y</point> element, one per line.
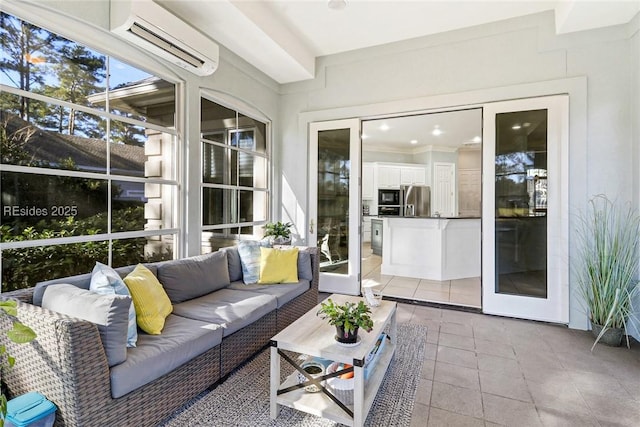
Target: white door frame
<point>333,282</point>
<point>554,308</point>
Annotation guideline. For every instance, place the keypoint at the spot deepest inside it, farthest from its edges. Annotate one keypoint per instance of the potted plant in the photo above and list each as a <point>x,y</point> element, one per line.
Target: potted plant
<point>347,318</point>
<point>606,267</point>
<point>20,334</point>
<point>279,233</point>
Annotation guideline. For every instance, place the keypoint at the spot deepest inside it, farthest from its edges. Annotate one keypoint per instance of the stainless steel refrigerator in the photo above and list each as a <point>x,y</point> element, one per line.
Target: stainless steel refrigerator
<point>416,200</point>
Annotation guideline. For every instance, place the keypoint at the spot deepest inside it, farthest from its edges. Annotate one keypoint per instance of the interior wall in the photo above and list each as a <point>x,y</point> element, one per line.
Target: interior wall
<point>496,61</point>
<point>383,156</point>
<point>235,83</point>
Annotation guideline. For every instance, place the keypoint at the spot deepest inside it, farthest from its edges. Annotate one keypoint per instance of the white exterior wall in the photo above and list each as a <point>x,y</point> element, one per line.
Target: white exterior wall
<point>516,58</point>
<point>635,138</point>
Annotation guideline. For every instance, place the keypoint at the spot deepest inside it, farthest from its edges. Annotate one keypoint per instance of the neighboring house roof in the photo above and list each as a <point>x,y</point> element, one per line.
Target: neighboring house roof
<point>87,153</point>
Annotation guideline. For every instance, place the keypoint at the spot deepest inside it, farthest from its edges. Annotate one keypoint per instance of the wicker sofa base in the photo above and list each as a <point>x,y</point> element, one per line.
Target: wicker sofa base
<point>241,345</point>
<point>67,364</point>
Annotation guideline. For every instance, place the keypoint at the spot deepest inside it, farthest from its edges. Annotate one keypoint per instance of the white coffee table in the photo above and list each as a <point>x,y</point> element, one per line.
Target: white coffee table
<point>313,336</point>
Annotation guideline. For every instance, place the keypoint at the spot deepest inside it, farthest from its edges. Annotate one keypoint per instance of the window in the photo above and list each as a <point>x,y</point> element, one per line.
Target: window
<point>87,167</point>
<point>235,166</point>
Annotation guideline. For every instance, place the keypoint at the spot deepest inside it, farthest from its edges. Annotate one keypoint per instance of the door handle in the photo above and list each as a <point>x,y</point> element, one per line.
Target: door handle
<point>311,223</point>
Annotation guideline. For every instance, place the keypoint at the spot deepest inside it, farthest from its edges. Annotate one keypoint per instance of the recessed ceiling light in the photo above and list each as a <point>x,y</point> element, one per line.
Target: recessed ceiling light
<point>436,131</point>
<point>516,127</point>
<point>414,141</point>
<point>384,127</point>
<point>337,4</point>
<point>477,139</point>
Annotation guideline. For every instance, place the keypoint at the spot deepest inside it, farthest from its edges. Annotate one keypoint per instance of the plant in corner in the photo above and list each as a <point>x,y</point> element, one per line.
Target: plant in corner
<point>606,267</point>
<point>278,232</point>
<point>19,334</point>
<point>347,318</point>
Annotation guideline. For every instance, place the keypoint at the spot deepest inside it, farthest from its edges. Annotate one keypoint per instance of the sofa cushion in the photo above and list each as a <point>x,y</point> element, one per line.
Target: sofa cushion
<point>234,263</point>
<point>278,265</point>
<point>106,281</point>
<point>193,277</point>
<point>155,355</point>
<point>232,309</point>
<point>283,293</point>
<point>82,281</point>
<point>249,251</point>
<point>109,312</point>
<point>305,271</point>
<point>149,298</point>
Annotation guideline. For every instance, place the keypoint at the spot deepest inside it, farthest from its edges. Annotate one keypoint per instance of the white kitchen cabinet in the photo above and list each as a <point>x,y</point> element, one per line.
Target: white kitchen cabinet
<point>368,185</point>
<point>366,229</point>
<point>389,176</point>
<point>412,175</point>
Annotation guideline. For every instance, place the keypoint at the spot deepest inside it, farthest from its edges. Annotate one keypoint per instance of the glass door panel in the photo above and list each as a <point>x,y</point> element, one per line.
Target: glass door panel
<point>334,203</point>
<point>334,169</point>
<point>520,203</point>
<point>524,222</point>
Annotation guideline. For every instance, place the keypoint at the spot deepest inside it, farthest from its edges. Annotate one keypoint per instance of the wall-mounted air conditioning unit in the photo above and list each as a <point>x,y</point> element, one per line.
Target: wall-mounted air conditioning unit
<point>150,26</point>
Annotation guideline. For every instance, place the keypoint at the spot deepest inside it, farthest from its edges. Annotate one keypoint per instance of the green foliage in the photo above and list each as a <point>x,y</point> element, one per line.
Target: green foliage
<point>19,334</point>
<point>23,268</point>
<point>277,229</point>
<point>349,315</point>
<point>607,262</point>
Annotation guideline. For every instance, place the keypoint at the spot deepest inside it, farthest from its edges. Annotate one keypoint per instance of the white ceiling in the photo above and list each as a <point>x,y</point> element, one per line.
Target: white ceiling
<point>455,129</point>
<point>283,38</point>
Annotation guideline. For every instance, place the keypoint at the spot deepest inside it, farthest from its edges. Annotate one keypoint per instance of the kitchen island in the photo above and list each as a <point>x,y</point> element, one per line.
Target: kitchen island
<point>431,248</point>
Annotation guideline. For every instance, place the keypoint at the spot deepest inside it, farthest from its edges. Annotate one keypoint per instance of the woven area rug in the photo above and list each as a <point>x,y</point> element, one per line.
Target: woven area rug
<point>243,399</point>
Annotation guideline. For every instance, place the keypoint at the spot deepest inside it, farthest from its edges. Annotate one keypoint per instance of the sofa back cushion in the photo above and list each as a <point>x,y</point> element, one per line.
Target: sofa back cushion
<point>189,278</point>
<point>305,271</point>
<point>233,260</point>
<point>109,312</point>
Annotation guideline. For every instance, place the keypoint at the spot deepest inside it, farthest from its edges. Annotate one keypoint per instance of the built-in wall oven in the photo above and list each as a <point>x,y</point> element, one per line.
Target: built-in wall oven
<point>389,210</point>
<point>389,202</point>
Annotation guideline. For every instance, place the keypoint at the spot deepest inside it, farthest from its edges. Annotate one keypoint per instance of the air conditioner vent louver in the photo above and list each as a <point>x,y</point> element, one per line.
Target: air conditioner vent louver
<point>142,22</point>
<point>159,41</point>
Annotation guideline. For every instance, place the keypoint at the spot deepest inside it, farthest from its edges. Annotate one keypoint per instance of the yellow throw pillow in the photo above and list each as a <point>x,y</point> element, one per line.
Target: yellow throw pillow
<point>149,299</point>
<point>278,265</point>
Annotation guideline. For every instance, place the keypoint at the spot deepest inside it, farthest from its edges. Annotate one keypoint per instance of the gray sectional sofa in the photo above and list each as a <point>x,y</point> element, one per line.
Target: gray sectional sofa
<point>212,329</point>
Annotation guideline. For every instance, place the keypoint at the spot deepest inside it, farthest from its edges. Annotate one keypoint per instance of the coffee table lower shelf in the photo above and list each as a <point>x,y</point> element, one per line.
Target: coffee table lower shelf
<point>321,405</point>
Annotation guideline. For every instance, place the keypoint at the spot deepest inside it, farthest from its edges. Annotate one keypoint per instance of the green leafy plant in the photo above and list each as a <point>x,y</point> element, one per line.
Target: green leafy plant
<point>607,263</point>
<point>19,334</point>
<point>277,229</point>
<point>348,316</point>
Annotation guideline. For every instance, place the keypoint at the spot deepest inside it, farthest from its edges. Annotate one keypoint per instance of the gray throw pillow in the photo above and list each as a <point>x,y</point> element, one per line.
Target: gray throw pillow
<point>189,278</point>
<point>109,312</point>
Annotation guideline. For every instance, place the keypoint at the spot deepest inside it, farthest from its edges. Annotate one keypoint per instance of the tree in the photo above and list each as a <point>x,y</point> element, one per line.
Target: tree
<point>80,73</point>
<point>25,48</point>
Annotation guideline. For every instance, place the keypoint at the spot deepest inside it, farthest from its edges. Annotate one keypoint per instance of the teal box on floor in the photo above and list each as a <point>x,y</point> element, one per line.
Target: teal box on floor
<point>30,410</point>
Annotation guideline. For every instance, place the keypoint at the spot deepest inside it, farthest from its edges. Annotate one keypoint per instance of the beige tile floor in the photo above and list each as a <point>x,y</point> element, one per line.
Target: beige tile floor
<point>464,292</point>
<point>482,370</point>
